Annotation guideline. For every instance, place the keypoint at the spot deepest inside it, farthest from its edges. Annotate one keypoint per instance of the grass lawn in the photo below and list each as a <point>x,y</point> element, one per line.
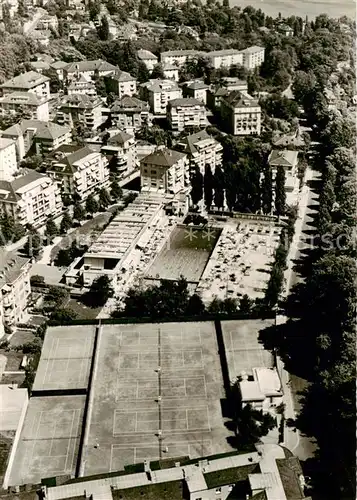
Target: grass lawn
<point>6,439</point>
<point>13,379</point>
<point>21,337</point>
<point>13,360</point>
<point>83,311</point>
<point>165,491</point>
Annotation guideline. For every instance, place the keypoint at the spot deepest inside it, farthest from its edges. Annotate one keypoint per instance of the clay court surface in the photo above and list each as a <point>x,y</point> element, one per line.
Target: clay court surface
<point>49,439</point>
<point>186,254</point>
<point>65,358</point>
<point>127,413</point>
<point>243,351</point>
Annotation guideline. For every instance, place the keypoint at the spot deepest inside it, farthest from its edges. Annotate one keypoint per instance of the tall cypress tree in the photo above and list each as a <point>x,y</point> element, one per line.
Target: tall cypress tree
<point>267,190</point>
<point>280,196</point>
<point>197,186</point>
<point>218,188</point>
<point>208,186</point>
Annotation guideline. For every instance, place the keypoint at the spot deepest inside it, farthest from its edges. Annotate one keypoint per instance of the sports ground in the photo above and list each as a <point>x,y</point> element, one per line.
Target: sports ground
<point>243,350</point>
<point>157,394</point>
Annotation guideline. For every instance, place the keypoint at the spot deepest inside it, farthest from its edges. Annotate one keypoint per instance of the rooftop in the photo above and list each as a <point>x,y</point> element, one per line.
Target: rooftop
<point>163,157</point>
<point>129,103</point>
<point>95,65</point>
<point>25,81</point>
<point>185,102</point>
<point>82,101</point>
<point>22,98</point>
<point>197,86</point>
<point>11,266</point>
<point>223,52</point>
<point>251,50</point>
<point>5,143</point>
<point>188,52</point>
<point>120,138</point>
<point>122,76</point>
<point>43,130</point>
<point>65,162</point>
<point>160,85</point>
<point>240,98</point>
<point>146,55</point>
<point>284,158</point>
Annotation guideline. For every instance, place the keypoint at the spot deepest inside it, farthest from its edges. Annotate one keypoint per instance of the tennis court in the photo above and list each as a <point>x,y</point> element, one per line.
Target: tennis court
<point>243,349</point>
<point>157,394</point>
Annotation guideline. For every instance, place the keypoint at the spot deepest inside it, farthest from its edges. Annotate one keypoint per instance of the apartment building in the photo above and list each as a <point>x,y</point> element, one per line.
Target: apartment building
<point>59,68</point>
<point>78,170</point>
<point>148,58</point>
<point>8,160</point>
<point>15,289</point>
<point>31,198</point>
<point>89,69</point>
<point>28,82</point>
<point>215,94</point>
<point>202,149</point>
<point>171,72</point>
<point>43,136</point>
<point>180,57</point>
<point>185,113</point>
<point>253,57</point>
<point>121,153</point>
<point>80,108</point>
<point>241,114</point>
<point>159,92</point>
<point>121,83</point>
<point>83,85</point>
<point>224,58</point>
<point>198,90</point>
<point>28,102</point>
<point>130,113</point>
<point>288,160</point>
<point>165,171</point>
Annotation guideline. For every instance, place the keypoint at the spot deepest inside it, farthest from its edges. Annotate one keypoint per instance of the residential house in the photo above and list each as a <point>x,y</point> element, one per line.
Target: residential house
<point>158,93</point>
<point>165,171</point>
<point>130,113</point>
<point>39,66</point>
<point>197,90</point>
<point>8,160</point>
<point>253,57</point>
<point>15,289</point>
<point>186,112</point>
<point>285,29</point>
<point>215,94</point>
<point>288,160</point>
<point>78,170</point>
<point>83,85</point>
<point>25,102</point>
<point>28,82</point>
<point>80,108</point>
<point>121,83</point>
<point>180,57</point>
<point>224,58</point>
<point>241,114</point>
<point>202,149</point>
<point>59,67</point>
<point>42,136</point>
<point>90,69</point>
<point>121,152</point>
<point>148,58</point>
<point>31,198</point>
<point>171,72</point>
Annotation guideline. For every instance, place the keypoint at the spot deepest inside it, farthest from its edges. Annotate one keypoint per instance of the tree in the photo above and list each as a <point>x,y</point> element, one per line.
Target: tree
<point>32,162</point>
<point>78,212</point>
<point>11,231</point>
<point>158,72</point>
<point>252,425</point>
<point>218,188</point>
<point>100,291</point>
<point>104,198</point>
<point>33,245</point>
<point>267,190</point>
<point>66,223</point>
<point>62,316</point>
<point>37,280</point>
<point>91,204</point>
<point>196,186</point>
<point>51,230</point>
<point>103,29</point>
<point>116,191</point>
<point>195,306</point>
<point>280,196</point>
<point>63,257</point>
<point>94,10</point>
<point>58,295</point>
<point>246,304</point>
<point>208,186</point>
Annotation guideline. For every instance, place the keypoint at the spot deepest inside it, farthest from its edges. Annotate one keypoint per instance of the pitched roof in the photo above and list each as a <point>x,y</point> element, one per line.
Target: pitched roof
<point>63,162</point>
<point>11,266</point>
<point>159,85</point>
<point>96,65</point>
<point>58,65</point>
<point>193,139</point>
<point>122,76</point>
<point>223,52</point>
<point>129,103</point>
<point>240,98</point>
<point>26,80</point>
<point>44,130</point>
<point>185,102</point>
<point>120,138</point>
<point>290,472</point>
<point>188,52</point>
<point>163,157</point>
<point>146,55</point>
<point>285,158</point>
<point>251,50</point>
<point>20,98</point>
<point>197,86</point>
<point>82,101</point>
<point>5,143</point>
<point>9,190</point>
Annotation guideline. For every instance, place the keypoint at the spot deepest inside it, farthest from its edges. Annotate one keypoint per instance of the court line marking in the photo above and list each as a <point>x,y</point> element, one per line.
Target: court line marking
<point>69,441</point>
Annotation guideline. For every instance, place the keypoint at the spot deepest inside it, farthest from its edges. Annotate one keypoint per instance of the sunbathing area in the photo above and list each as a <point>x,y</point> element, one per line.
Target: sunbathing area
<point>241,261</point>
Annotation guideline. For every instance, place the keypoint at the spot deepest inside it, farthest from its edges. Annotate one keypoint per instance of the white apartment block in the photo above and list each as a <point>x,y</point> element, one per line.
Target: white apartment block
<point>28,82</point>
<point>130,113</point>
<point>186,112</point>
<point>121,147</point>
<point>83,85</point>
<point>159,92</point>
<point>253,57</point>
<point>225,58</point>
<point>121,83</point>
<point>179,57</point>
<point>46,136</point>
<point>241,114</point>
<point>148,58</point>
<point>8,160</point>
<point>78,170</point>
<point>202,149</point>
<point>15,289</point>
<point>165,171</point>
<point>31,198</point>
<point>80,108</point>
<point>17,102</point>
